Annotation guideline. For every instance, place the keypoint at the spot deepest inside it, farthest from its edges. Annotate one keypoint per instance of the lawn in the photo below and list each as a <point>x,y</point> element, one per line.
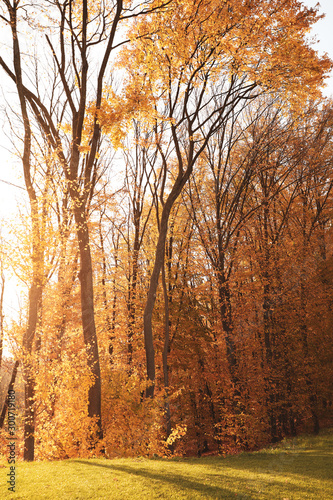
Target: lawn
<point>300,468</point>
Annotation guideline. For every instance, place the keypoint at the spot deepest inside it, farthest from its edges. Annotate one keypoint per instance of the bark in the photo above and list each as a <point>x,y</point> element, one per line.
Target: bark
<point>227,325</point>
<point>108,324</point>
<point>35,294</point>
<point>267,307</point>
<point>35,297</point>
<point>158,263</point>
<point>10,388</point>
<point>115,297</point>
<point>165,353</point>
<point>88,315</point>
<point>133,283</point>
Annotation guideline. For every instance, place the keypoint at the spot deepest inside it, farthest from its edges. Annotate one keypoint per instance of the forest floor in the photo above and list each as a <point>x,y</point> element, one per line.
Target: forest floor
<point>299,468</point>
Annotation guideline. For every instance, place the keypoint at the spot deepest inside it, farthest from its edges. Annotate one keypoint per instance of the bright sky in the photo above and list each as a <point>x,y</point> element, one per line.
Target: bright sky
<point>323,31</point>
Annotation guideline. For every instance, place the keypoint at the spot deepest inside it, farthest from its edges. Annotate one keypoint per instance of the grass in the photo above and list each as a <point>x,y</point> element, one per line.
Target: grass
<point>299,468</point>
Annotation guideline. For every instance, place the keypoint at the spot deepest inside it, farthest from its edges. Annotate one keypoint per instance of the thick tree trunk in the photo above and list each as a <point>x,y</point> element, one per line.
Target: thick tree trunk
<point>10,388</point>
<point>35,298</point>
<point>88,316</point>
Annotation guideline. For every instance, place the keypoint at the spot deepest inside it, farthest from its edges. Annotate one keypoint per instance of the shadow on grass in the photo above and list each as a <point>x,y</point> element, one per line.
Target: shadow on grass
<point>177,480</point>
<point>296,469</point>
<point>306,463</point>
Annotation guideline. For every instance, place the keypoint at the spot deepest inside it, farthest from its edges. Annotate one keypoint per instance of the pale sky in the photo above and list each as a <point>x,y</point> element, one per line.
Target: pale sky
<point>323,30</point>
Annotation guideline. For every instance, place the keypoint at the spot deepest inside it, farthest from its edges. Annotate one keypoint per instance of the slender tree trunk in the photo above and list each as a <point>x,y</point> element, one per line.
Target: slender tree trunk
<point>114,300</point>
<point>304,327</point>
<point>271,381</point>
<point>158,263</point>
<point>151,298</point>
<point>35,293</point>
<point>148,312</point>
<point>108,324</point>
<point>267,307</point>
<point>226,319</point>
<point>133,286</point>
<point>165,353</point>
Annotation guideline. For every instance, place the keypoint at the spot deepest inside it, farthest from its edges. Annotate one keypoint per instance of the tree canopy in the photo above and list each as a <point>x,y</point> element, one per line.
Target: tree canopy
<point>177,249</point>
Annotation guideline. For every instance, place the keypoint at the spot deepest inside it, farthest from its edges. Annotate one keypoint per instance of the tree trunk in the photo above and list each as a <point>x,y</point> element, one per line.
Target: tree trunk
<point>108,324</point>
<point>226,319</point>
<point>180,182</point>
<point>10,388</point>
<point>88,316</point>
<point>133,286</point>
<point>35,298</point>
<point>165,353</point>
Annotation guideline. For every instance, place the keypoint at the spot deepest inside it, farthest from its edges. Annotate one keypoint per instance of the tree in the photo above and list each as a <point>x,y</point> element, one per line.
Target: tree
<point>194,74</point>
<point>35,292</point>
<point>212,97</point>
<point>61,114</point>
<point>287,170</point>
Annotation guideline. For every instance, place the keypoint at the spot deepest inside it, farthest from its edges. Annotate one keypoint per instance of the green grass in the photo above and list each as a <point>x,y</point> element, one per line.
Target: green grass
<point>300,468</point>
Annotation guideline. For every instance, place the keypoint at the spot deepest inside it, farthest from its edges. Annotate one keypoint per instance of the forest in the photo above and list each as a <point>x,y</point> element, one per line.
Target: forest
<point>176,242</point>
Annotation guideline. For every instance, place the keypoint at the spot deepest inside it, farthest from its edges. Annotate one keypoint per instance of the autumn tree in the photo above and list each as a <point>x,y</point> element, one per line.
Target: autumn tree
<point>189,101</point>
<point>193,74</point>
<point>73,34</point>
<point>141,184</point>
<point>277,190</point>
<point>311,223</point>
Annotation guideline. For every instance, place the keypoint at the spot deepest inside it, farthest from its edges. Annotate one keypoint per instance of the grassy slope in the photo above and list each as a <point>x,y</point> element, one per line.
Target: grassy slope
<point>297,469</point>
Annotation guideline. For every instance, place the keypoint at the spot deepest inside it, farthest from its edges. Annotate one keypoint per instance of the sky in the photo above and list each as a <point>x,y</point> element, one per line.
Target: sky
<point>323,30</point>
<point>10,167</point>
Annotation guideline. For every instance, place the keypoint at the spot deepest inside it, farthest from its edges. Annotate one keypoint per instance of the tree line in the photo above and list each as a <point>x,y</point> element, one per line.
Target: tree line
<point>177,249</point>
